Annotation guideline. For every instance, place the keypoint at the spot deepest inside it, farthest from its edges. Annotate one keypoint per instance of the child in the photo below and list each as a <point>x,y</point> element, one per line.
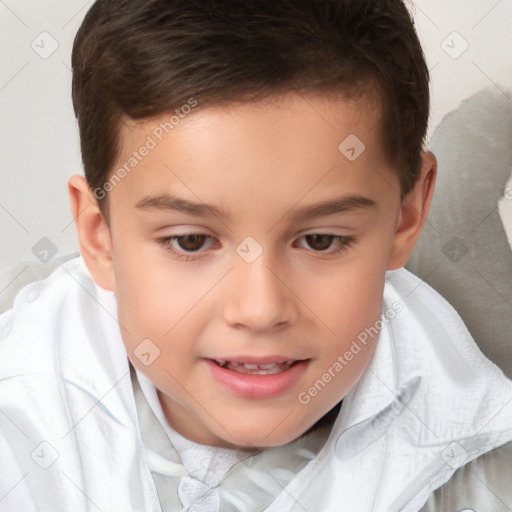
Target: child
<point>259,369</point>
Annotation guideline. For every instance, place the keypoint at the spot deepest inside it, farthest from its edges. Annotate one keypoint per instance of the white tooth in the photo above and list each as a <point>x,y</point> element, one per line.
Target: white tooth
<point>251,366</point>
<point>289,362</point>
<point>267,366</point>
<point>270,371</point>
<point>221,362</point>
<point>234,363</point>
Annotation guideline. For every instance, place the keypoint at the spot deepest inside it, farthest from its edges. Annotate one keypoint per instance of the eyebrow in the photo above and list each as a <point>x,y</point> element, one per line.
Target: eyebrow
<point>168,202</point>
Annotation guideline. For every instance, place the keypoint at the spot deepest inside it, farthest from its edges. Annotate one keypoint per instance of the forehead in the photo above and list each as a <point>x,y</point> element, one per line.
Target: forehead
<point>285,114</point>
<point>289,143</point>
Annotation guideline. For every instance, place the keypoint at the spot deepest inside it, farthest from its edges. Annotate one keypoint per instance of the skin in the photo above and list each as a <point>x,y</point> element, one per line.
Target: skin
<point>260,162</point>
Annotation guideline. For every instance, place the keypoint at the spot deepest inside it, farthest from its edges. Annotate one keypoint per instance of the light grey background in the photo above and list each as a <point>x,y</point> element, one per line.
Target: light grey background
<point>39,148</point>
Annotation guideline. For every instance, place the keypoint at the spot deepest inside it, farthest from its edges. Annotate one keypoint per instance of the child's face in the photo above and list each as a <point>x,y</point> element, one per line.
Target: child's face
<point>258,287</point>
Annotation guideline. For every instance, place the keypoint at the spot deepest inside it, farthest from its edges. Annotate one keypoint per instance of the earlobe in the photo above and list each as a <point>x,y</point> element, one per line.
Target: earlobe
<point>93,233</point>
<point>413,213</point>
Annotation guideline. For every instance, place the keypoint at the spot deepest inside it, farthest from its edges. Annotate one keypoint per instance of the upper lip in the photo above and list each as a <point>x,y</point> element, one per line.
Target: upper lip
<point>257,360</point>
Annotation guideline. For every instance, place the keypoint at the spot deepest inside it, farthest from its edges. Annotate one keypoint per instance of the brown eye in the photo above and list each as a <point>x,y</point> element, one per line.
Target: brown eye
<point>319,242</point>
<point>191,242</point>
<point>325,245</point>
<point>187,247</point>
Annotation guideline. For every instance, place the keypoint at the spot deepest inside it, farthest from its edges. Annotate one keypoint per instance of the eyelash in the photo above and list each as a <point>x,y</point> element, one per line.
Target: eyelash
<point>345,242</point>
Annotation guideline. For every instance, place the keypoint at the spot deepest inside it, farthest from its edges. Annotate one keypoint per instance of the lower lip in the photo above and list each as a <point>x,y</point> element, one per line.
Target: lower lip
<point>258,386</point>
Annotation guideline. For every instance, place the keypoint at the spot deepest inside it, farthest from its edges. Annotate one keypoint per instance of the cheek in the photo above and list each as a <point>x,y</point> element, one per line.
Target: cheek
<point>349,298</point>
<point>161,306</point>
<point>149,296</point>
<point>351,309</point>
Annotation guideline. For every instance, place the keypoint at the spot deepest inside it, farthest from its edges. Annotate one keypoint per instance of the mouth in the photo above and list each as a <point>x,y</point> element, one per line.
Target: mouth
<point>258,378</point>
<point>256,369</point>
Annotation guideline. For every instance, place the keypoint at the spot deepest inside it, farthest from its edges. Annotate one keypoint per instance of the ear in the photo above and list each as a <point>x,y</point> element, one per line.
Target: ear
<point>413,213</point>
<point>93,233</point>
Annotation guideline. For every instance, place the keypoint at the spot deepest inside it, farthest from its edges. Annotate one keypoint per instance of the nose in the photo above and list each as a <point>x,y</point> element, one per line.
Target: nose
<point>258,297</point>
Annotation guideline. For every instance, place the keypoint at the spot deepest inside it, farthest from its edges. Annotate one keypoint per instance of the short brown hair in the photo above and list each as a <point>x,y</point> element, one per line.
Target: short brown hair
<point>144,58</point>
